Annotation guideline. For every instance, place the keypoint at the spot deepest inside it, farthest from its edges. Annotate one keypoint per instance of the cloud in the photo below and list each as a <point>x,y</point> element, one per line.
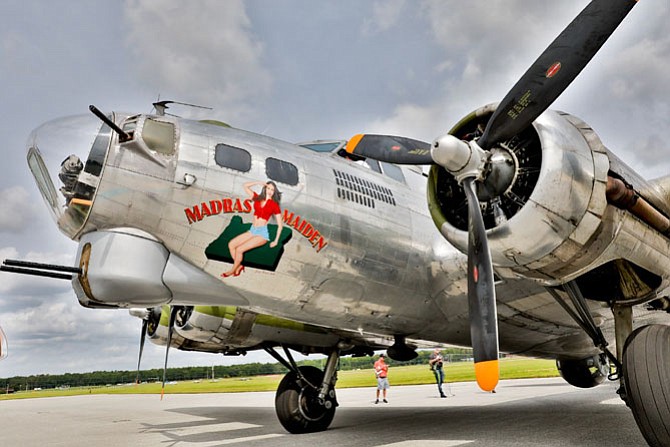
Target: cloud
<point>487,46</point>
<point>13,51</point>
<point>206,54</point>
<point>17,289</point>
<point>636,82</point>
<point>16,209</point>
<point>500,34</point>
<point>8,252</point>
<point>385,15</point>
<point>59,332</point>
<point>639,72</point>
<point>484,49</point>
<point>412,121</point>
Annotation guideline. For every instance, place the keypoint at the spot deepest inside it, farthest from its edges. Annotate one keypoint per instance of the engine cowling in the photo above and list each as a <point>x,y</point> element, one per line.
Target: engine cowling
<point>157,327</point>
<point>234,329</point>
<point>212,326</point>
<point>545,204</point>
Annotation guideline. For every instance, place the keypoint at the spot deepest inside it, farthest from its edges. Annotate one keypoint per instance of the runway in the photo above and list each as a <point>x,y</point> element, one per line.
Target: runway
<point>535,412</point>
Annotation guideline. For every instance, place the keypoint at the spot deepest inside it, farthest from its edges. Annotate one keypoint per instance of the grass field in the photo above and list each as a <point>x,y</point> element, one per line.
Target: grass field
<point>513,368</point>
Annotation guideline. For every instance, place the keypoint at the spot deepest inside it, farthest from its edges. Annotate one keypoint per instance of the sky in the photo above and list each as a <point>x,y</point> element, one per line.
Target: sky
<point>293,69</point>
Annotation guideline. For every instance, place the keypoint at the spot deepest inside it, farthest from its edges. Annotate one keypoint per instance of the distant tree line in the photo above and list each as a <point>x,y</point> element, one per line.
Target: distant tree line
<point>103,378</point>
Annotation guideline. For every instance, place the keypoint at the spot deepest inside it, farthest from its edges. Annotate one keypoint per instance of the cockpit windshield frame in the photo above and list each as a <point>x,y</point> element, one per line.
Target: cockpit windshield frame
<point>44,182</point>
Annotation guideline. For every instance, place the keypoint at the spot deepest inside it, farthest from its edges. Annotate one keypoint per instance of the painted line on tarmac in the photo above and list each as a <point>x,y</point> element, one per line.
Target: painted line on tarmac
<point>210,428</point>
<point>613,401</point>
<point>427,443</point>
<point>220,432</point>
<point>231,441</point>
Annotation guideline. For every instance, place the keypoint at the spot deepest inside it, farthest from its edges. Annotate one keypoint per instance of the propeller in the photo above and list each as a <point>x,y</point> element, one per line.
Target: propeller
<point>555,69</point>
<point>481,295</point>
<point>150,320</point>
<point>466,162</point>
<point>3,344</point>
<point>473,162</point>
<point>173,316</point>
<point>389,148</point>
<point>143,337</point>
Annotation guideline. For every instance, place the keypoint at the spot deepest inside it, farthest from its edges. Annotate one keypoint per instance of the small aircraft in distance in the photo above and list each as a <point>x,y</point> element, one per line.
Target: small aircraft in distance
<point>226,241</point>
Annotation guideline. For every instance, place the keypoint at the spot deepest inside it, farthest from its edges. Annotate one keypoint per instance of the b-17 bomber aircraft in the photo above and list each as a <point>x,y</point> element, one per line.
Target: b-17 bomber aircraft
<point>535,240</point>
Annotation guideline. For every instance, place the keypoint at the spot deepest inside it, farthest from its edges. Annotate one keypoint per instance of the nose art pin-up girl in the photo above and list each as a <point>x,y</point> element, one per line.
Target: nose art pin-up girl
<point>266,205</point>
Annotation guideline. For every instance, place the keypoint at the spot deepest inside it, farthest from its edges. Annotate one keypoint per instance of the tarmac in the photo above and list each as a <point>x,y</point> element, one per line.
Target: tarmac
<point>527,412</point>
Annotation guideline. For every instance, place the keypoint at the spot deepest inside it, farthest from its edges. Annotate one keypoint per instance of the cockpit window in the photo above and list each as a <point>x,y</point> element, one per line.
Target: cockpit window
<point>393,171</point>
<point>159,136</point>
<point>374,165</point>
<point>322,146</point>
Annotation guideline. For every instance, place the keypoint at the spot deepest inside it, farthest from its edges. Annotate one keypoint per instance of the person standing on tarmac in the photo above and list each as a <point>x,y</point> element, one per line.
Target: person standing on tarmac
<point>435,360</point>
<point>381,372</point>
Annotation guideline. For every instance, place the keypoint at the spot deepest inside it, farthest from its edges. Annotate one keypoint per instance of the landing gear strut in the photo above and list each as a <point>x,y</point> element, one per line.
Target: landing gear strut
<point>593,367</point>
<point>305,401</point>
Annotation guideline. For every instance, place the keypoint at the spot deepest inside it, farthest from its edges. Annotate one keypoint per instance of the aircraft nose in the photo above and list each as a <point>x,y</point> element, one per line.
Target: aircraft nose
<point>55,154</point>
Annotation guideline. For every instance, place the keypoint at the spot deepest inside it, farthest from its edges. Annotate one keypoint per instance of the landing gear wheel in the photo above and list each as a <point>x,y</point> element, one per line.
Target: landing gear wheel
<point>646,369</point>
<point>584,373</point>
<point>297,404</point>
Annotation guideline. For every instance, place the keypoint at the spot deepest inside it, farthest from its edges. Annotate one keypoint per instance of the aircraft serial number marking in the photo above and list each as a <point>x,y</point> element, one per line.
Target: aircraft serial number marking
<point>520,105</point>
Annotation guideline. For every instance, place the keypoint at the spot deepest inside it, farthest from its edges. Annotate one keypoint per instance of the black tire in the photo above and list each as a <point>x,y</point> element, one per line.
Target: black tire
<point>584,373</point>
<point>646,369</point>
<point>296,404</point>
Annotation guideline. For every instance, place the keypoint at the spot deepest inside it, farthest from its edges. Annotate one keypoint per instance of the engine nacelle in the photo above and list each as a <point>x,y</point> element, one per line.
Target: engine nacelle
<point>211,326</point>
<point>158,319</point>
<point>549,220</point>
<point>234,329</point>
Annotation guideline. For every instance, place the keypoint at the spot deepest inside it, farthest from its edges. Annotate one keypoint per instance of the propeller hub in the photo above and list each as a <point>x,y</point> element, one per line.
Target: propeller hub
<point>183,315</point>
<point>461,159</point>
<point>500,174</point>
<point>153,320</point>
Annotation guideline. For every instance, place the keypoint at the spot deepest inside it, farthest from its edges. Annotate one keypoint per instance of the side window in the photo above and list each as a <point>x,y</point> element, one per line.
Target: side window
<point>281,171</point>
<point>159,136</point>
<point>393,171</point>
<point>374,165</point>
<point>232,157</point>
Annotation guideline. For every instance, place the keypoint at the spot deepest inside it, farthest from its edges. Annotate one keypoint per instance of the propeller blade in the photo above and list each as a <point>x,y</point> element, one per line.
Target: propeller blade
<point>481,295</point>
<point>3,345</point>
<point>555,69</point>
<point>173,316</point>
<point>391,149</point>
<point>143,336</point>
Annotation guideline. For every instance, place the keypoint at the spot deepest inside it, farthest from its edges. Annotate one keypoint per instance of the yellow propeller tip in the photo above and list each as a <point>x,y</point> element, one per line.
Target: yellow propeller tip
<point>487,374</point>
<point>353,142</point>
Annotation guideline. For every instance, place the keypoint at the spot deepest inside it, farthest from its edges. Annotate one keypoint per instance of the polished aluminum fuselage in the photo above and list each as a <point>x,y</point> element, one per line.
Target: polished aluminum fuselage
<point>378,266</point>
<point>384,269</point>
